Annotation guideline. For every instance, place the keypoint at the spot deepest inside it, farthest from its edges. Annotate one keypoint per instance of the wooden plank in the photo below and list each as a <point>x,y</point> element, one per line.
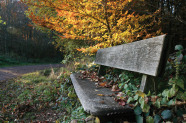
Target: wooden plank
<point>141,56</point>
<point>97,101</point>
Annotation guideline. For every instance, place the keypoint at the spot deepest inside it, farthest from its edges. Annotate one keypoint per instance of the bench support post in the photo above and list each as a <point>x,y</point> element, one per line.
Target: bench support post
<point>101,71</point>
<point>148,83</point>
<point>143,83</point>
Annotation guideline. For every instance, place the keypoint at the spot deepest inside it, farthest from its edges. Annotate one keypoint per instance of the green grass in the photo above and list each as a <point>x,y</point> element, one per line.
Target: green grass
<point>38,96</point>
<point>7,61</point>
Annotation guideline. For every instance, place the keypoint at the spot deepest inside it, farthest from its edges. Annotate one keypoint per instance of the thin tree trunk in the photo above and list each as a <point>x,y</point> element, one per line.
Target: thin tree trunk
<point>106,18</point>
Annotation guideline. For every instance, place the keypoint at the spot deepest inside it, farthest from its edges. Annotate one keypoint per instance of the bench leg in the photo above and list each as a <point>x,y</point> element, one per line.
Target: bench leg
<point>143,83</point>
<point>148,83</point>
<point>118,118</point>
<point>102,70</point>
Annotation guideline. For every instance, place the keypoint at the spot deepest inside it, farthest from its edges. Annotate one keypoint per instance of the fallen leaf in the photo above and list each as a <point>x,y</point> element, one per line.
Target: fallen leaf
<point>154,98</point>
<point>101,79</point>
<point>146,100</point>
<point>3,110</point>
<point>115,88</point>
<point>122,103</point>
<point>102,102</point>
<point>103,84</point>
<point>131,105</point>
<point>100,94</point>
<point>120,94</point>
<point>141,94</point>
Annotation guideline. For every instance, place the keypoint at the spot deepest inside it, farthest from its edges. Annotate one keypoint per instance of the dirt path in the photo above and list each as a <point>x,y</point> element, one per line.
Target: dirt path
<point>12,72</point>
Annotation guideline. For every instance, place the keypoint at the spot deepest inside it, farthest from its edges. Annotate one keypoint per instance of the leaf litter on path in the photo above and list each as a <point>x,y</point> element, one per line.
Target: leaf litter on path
<point>30,98</point>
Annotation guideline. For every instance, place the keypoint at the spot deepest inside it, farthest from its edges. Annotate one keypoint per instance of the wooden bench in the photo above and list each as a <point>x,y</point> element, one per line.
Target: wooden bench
<point>147,56</point>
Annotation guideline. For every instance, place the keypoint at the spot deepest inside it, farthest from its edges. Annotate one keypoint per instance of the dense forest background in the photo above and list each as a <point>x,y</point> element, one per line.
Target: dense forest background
<point>173,18</point>
<point>20,40</point>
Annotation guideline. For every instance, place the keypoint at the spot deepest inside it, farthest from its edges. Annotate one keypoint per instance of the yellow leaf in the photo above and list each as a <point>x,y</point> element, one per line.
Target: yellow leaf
<point>97,120</point>
<point>100,94</point>
<point>141,94</point>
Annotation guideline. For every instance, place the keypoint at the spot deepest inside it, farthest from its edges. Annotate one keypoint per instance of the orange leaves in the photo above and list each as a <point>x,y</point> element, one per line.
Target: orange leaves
<point>65,13</point>
<point>107,22</point>
<point>92,49</point>
<point>103,84</point>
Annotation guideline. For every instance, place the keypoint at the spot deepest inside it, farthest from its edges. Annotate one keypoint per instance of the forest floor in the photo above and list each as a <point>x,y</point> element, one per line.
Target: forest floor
<point>12,72</point>
<point>28,94</point>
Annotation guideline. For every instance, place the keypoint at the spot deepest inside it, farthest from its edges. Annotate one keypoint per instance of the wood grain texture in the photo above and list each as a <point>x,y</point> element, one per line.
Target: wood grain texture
<point>94,104</point>
<point>142,56</point>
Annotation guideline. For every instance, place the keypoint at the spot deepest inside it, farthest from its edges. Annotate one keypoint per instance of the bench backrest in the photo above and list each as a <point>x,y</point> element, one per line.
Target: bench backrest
<point>145,56</point>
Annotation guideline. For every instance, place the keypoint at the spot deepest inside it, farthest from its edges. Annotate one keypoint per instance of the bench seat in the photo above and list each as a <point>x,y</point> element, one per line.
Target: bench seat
<point>94,104</point>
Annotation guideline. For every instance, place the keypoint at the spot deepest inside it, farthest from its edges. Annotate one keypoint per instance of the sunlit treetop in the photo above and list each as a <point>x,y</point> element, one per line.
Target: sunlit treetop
<point>108,22</point>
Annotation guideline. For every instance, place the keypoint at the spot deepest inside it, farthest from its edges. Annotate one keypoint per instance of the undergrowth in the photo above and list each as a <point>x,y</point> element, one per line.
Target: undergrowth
<point>46,96</point>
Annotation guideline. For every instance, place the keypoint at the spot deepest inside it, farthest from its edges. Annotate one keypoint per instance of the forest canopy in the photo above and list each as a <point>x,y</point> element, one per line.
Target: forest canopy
<point>105,23</point>
<point>19,40</point>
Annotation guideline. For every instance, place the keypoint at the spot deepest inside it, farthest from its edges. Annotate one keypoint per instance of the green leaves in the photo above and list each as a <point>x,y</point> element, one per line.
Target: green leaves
<point>157,118</point>
<point>184,58</point>
<point>181,95</point>
<point>166,114</point>
<point>169,93</point>
<point>178,47</point>
<point>149,119</point>
<point>157,103</point>
<point>180,83</point>
<point>137,110</point>
<point>78,113</point>
<point>171,102</point>
<point>180,112</point>
<point>145,108</point>
<point>130,99</point>
<point>2,22</point>
<point>71,95</point>
<point>139,119</point>
<point>164,101</point>
<point>136,97</point>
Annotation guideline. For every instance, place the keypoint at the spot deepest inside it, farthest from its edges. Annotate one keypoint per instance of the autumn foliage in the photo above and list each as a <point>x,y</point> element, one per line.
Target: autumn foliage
<point>104,22</point>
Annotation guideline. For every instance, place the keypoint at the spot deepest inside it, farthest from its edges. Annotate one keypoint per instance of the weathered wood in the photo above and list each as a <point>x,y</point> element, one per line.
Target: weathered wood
<point>142,56</point>
<point>143,83</point>
<point>148,83</point>
<point>97,101</point>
